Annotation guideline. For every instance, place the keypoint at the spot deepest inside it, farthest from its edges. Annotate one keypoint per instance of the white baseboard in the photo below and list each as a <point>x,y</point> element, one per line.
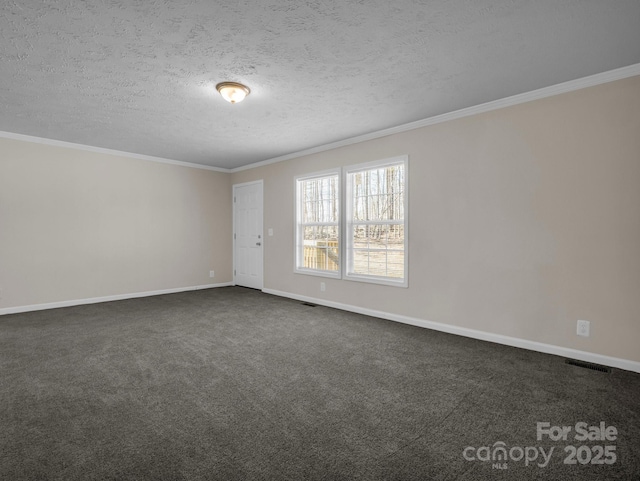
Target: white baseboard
<point>95,300</point>
<point>472,333</point>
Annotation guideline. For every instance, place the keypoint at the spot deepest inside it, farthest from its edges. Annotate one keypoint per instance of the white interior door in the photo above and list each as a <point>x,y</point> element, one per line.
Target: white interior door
<point>247,237</point>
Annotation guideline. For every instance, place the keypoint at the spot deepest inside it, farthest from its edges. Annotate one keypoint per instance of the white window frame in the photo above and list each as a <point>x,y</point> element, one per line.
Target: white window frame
<point>346,231</point>
<point>299,225</point>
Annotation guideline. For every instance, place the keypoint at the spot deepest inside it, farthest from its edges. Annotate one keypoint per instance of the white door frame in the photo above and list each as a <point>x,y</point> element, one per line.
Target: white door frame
<point>233,234</point>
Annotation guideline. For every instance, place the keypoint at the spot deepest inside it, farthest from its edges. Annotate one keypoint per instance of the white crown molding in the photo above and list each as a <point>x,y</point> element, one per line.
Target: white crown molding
<point>100,150</point>
<point>95,300</point>
<point>625,364</point>
<point>565,87</point>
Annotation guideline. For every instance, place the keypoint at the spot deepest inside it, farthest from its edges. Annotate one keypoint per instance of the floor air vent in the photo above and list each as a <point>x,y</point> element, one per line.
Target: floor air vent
<point>309,304</point>
<point>588,365</point>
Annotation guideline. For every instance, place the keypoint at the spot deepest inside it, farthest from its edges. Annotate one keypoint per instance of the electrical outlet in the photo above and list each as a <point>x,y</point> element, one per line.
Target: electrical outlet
<point>583,328</point>
<point>212,274</point>
<point>323,286</point>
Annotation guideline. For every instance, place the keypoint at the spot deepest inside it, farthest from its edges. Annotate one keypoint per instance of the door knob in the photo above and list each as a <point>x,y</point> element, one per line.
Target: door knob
<point>258,243</point>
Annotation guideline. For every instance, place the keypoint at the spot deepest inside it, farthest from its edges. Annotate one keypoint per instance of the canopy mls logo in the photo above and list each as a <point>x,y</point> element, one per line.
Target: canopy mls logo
<point>499,454</point>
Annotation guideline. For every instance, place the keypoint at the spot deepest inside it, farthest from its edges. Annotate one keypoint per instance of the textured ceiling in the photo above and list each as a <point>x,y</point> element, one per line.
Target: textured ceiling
<point>139,75</point>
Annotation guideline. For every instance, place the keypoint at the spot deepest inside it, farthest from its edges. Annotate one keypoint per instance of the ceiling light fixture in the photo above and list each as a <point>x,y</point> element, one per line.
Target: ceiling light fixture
<point>233,92</point>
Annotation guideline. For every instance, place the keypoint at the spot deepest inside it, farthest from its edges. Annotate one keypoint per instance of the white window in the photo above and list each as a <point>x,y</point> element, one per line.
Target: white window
<point>376,226</point>
<point>318,224</point>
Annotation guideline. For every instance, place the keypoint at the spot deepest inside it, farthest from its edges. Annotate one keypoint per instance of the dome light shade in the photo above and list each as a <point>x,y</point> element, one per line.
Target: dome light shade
<point>233,92</point>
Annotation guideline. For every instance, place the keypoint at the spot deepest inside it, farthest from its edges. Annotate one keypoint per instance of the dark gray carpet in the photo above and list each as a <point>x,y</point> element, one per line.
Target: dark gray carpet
<point>234,384</point>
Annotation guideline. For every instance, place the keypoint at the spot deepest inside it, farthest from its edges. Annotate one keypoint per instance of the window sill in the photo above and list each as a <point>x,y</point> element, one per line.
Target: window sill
<point>385,281</point>
<point>312,272</point>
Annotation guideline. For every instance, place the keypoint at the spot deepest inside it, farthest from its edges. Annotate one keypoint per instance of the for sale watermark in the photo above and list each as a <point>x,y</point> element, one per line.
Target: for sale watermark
<point>580,443</point>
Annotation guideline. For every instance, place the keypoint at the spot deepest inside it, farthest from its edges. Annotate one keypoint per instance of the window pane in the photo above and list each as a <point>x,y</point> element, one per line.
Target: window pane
<point>378,194</point>
<point>361,236</point>
<point>378,250</point>
<point>309,212</point>
<point>309,235</point>
<point>322,255</point>
<point>318,205</point>
<point>395,237</point>
<point>328,233</point>
<point>320,199</point>
<point>378,263</point>
<point>396,270</point>
<point>311,260</point>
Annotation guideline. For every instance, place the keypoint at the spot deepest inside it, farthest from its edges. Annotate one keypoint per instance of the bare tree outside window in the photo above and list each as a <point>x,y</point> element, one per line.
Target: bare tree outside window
<point>318,224</point>
<point>377,222</point>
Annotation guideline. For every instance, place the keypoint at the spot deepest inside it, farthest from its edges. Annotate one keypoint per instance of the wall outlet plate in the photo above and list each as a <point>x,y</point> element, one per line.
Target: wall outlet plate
<point>323,286</point>
<point>212,273</point>
<point>583,328</point>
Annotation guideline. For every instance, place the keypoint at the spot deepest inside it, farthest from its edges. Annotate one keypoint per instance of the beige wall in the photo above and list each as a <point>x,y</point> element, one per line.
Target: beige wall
<point>522,220</point>
<point>77,225</point>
